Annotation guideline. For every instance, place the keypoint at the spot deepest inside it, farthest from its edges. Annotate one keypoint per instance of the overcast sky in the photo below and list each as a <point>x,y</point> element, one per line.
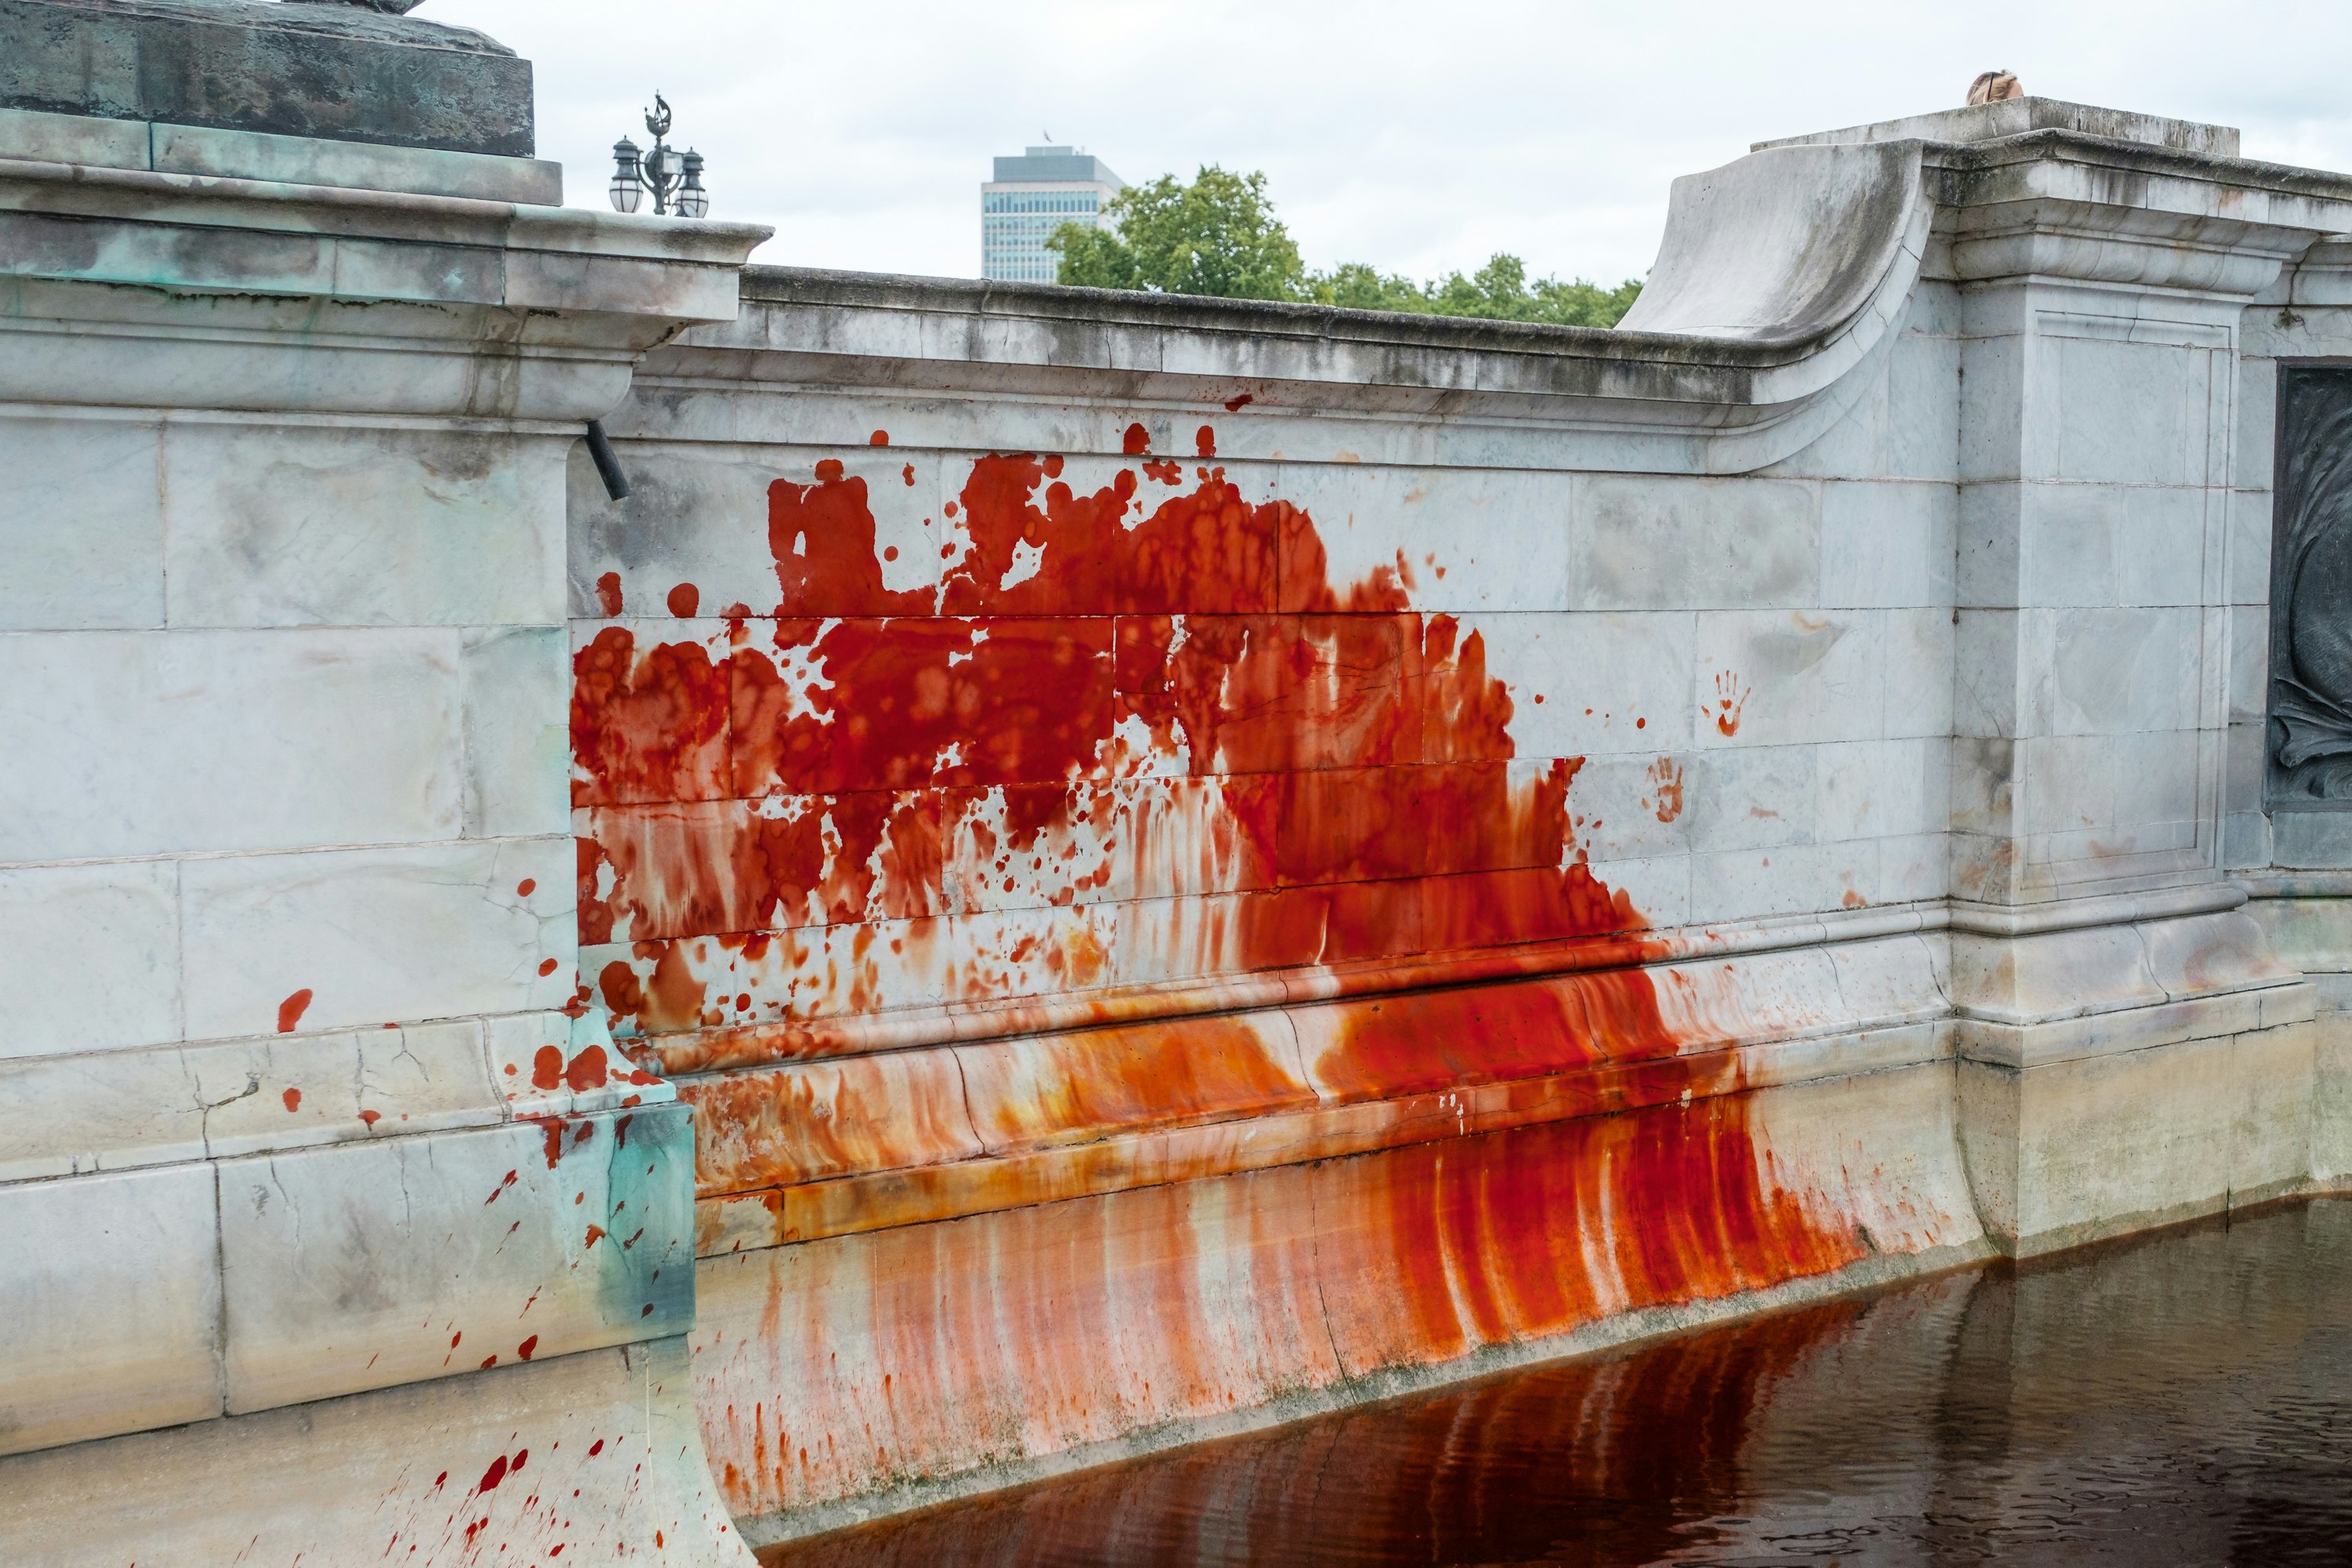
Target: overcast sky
<point>1420,138</point>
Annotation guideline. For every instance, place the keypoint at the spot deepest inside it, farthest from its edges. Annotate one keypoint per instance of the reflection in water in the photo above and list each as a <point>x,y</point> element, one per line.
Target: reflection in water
<point>2186,1397</point>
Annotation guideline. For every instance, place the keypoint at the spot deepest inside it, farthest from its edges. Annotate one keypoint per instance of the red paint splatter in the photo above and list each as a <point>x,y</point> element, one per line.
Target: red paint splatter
<point>888,754</point>
<point>879,438</point>
<point>1204,440</point>
<point>683,600</point>
<point>371,1117</point>
<point>547,1067</point>
<point>293,1098</point>
<point>596,1233</point>
<point>909,475</point>
<point>491,1360</point>
<point>290,1011</point>
<point>546,966</point>
<point>608,593</point>
<point>493,1476</point>
<point>595,1448</point>
<point>550,1131</point>
<point>527,887</point>
<point>1136,442</point>
<point>1237,403</point>
<point>586,1070</point>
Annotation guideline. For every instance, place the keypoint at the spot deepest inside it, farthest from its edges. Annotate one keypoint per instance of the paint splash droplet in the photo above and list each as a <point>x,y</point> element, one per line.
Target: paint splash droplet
<point>290,1011</point>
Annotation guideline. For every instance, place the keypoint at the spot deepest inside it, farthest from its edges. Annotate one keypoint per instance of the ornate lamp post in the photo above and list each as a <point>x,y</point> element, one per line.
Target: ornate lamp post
<point>675,178</point>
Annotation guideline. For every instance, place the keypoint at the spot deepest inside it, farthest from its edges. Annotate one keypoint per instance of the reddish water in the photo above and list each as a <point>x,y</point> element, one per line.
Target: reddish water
<point>2183,1398</point>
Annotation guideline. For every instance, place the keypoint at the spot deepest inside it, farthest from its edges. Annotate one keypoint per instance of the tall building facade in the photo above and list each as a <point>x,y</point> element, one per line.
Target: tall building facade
<point>1033,195</point>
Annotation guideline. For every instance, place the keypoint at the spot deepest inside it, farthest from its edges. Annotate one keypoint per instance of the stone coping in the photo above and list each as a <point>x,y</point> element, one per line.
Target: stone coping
<point>2016,116</point>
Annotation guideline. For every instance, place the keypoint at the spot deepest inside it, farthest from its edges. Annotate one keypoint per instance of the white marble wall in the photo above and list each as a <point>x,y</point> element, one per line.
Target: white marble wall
<point>287,920</point>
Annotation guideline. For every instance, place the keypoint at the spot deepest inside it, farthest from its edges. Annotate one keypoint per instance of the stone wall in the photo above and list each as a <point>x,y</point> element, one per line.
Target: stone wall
<point>1187,861</point>
<point>1185,813</point>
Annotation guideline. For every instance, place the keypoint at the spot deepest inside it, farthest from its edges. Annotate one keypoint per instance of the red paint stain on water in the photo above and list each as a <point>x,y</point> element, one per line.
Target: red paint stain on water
<point>290,1011</point>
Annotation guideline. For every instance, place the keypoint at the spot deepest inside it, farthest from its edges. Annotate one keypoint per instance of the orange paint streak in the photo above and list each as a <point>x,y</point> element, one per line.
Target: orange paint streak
<point>1177,1302</point>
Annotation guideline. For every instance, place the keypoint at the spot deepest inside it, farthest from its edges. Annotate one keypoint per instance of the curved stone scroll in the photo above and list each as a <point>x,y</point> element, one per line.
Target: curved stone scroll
<point>1784,247</point>
<point>2311,593</point>
<point>1808,252</point>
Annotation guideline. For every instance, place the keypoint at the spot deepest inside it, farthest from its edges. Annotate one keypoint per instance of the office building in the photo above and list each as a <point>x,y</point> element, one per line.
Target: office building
<point>1033,195</point>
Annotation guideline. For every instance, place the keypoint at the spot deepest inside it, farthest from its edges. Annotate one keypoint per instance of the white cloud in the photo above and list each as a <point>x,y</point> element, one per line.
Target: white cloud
<point>1416,137</point>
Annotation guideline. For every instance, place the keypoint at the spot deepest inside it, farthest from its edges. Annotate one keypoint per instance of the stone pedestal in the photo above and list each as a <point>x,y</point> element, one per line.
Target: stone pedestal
<point>301,1128</point>
<point>2130,1050</point>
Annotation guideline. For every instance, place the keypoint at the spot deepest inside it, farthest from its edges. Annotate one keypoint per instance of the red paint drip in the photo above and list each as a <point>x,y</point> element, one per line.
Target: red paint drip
<point>493,1476</point>
<point>290,1011</point>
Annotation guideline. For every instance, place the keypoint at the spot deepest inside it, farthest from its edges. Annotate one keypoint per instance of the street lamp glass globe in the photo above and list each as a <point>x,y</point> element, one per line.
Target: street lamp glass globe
<point>693,201</point>
<point>628,187</point>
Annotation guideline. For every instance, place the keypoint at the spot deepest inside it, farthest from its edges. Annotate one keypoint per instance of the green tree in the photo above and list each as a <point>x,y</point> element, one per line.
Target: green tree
<point>1219,235</point>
